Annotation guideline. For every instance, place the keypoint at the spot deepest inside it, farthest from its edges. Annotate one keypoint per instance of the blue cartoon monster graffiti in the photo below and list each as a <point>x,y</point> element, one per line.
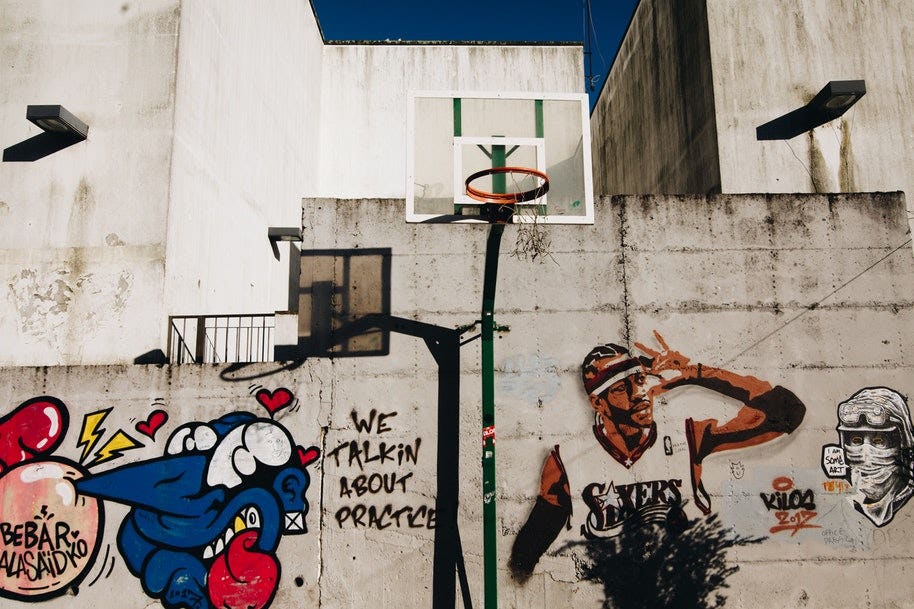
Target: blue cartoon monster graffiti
<point>206,517</point>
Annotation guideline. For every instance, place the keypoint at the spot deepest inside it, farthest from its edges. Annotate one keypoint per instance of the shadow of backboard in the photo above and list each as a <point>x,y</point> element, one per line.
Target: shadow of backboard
<point>336,288</point>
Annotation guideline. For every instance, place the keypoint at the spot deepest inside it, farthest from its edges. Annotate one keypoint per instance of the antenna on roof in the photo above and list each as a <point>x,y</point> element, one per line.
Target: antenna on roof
<point>590,78</point>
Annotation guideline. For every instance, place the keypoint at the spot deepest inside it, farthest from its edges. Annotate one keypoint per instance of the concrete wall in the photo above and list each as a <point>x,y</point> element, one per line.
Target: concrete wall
<point>364,92</point>
<point>693,80</point>
<point>206,128</point>
<point>769,60</point>
<point>82,232</point>
<point>812,293</point>
<point>653,126</point>
<point>246,148</point>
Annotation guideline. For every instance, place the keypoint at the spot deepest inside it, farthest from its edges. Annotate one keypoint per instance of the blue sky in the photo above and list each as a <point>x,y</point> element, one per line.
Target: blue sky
<point>478,20</point>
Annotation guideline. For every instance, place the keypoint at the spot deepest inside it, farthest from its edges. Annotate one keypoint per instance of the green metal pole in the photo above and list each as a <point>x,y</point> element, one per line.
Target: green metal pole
<point>489,527</point>
<point>490,553</point>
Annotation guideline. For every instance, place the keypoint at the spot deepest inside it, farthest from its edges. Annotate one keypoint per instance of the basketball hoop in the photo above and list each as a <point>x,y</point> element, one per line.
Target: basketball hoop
<point>507,198</point>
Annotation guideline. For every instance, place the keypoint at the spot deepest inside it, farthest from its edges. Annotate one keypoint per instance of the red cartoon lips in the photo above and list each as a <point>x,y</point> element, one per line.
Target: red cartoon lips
<point>242,577</point>
<point>35,428</point>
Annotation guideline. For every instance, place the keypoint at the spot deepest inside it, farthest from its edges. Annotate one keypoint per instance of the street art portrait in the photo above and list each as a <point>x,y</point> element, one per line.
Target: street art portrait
<point>622,389</point>
<point>205,519</point>
<point>875,453</point>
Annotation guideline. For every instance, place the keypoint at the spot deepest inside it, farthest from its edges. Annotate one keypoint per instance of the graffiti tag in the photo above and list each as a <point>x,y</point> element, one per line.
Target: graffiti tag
<point>368,455</point>
<point>793,508</point>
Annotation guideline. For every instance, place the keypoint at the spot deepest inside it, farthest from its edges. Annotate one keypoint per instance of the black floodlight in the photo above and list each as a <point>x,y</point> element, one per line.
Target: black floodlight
<point>57,119</point>
<point>61,129</point>
<point>832,101</point>
<point>284,233</point>
<point>837,97</point>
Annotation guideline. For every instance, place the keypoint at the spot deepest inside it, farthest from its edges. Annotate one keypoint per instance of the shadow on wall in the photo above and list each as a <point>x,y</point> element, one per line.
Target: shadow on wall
<point>680,566</point>
<point>332,289</point>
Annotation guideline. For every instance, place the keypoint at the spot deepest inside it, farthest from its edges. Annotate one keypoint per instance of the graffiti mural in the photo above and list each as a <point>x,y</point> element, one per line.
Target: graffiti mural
<point>551,513</point>
<point>378,470</point>
<point>622,388</point>
<point>49,535</point>
<point>615,508</point>
<point>205,518</point>
<point>625,389</point>
<point>875,452</point>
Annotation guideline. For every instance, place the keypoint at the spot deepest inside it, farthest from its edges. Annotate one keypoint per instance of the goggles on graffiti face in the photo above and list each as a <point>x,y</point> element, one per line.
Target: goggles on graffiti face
<point>852,413</point>
<point>884,438</point>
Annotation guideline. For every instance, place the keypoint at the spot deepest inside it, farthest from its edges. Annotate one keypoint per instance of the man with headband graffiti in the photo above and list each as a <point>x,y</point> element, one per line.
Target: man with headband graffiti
<point>622,388</point>
<point>874,426</point>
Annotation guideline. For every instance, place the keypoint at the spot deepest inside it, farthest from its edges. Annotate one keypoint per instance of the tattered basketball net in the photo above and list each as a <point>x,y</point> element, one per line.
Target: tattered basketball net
<point>532,240</point>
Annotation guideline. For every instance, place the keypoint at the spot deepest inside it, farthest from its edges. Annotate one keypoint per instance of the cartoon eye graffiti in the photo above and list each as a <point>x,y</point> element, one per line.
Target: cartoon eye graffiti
<point>191,437</point>
<point>252,518</point>
<point>857,440</point>
<point>878,441</point>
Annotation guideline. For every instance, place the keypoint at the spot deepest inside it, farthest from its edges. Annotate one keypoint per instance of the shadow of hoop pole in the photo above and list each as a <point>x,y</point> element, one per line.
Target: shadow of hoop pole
<point>444,345</point>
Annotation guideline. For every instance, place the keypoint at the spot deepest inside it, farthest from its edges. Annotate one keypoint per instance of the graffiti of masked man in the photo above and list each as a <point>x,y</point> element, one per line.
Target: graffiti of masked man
<point>874,425</point>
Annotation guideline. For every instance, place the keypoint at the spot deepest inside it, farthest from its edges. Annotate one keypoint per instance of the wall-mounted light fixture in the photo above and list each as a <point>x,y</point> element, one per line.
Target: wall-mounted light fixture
<point>832,101</point>
<point>284,233</point>
<point>837,97</point>
<point>57,119</point>
<point>61,129</point>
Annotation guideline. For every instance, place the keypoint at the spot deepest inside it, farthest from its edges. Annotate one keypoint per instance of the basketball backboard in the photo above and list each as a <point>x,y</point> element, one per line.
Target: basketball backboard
<point>454,135</point>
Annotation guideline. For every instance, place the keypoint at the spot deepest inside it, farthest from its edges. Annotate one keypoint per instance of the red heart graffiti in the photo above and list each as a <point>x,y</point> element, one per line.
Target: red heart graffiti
<point>308,456</point>
<point>274,400</point>
<point>150,426</point>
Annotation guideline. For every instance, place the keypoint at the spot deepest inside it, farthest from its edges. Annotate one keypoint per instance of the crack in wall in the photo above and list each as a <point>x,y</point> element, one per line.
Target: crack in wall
<point>324,433</point>
<point>320,536</point>
<point>623,228</point>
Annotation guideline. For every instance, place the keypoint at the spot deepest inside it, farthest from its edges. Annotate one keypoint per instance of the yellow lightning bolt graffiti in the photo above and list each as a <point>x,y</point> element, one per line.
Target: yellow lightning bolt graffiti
<point>114,448</point>
<point>91,431</point>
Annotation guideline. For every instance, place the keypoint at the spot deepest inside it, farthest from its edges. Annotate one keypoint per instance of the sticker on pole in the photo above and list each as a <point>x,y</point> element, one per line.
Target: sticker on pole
<point>488,432</point>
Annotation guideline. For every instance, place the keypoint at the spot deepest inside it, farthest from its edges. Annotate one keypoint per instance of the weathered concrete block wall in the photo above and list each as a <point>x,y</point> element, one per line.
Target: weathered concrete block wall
<point>654,125</point>
<point>82,231</point>
<point>364,92</point>
<point>809,293</point>
<point>768,60</point>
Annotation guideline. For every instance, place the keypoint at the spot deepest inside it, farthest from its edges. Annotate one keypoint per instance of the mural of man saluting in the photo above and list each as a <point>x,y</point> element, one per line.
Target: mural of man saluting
<point>622,389</point>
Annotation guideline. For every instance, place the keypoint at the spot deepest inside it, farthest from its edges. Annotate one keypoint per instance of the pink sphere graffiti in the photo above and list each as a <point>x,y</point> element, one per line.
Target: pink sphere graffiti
<point>49,533</point>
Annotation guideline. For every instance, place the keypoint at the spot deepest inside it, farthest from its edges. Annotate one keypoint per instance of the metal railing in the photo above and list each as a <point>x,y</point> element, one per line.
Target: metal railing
<point>219,339</point>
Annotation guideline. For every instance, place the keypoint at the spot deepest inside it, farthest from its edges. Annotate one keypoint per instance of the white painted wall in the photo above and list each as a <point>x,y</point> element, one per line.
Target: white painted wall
<point>82,231</point>
<point>768,59</point>
<point>207,126</point>
<point>246,148</point>
<point>364,90</point>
